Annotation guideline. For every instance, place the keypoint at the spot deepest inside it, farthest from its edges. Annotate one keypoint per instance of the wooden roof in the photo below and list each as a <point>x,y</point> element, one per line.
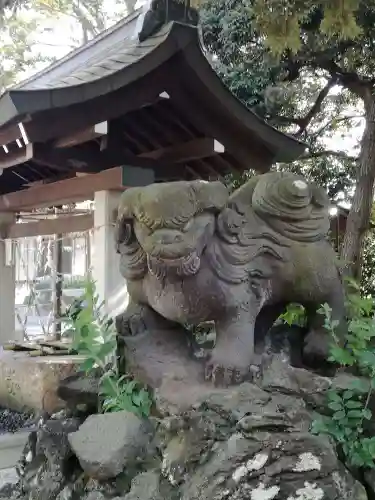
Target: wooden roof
<point>165,107</point>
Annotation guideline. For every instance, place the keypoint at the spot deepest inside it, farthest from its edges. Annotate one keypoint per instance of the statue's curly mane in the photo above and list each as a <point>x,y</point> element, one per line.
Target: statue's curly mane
<point>264,217</point>
<point>236,261</point>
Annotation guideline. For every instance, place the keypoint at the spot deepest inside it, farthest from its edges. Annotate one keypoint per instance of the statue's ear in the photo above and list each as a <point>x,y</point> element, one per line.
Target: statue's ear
<point>242,198</point>
<point>210,196</point>
<point>127,204</point>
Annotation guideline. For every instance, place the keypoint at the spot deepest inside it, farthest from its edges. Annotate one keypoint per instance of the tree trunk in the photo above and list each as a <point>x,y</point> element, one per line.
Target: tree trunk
<point>359,217</point>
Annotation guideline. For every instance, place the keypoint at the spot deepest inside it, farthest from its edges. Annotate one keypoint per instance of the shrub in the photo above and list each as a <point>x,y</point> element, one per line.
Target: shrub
<point>350,405</point>
<point>94,336</point>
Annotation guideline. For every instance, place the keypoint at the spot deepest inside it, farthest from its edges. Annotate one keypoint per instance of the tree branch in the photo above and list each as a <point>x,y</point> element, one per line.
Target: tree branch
<point>328,152</point>
<point>350,80</point>
<point>287,120</point>
<point>316,108</point>
<point>336,120</point>
<point>305,121</point>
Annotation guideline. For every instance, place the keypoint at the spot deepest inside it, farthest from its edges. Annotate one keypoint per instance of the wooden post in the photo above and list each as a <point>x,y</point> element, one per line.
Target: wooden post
<point>57,284</point>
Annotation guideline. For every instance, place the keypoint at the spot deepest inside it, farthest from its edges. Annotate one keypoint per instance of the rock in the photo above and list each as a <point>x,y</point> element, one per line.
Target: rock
<point>370,481</point>
<point>264,451</point>
<point>146,486</point>
<point>53,438</point>
<point>279,376</point>
<point>80,389</point>
<point>43,480</point>
<point>94,495</point>
<point>8,483</point>
<point>106,444</point>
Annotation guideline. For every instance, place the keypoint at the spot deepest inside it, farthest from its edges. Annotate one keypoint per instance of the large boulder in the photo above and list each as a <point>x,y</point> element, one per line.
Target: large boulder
<point>106,444</point>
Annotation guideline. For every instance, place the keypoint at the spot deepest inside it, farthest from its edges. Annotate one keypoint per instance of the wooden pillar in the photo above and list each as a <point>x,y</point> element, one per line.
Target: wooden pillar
<point>110,285</point>
<point>7,286</point>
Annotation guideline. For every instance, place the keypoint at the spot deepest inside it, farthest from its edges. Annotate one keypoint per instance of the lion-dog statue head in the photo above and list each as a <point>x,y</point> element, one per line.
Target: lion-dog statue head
<point>166,227</point>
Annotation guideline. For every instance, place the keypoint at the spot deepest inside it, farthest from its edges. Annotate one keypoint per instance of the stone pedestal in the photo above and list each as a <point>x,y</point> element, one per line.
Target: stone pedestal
<point>31,383</point>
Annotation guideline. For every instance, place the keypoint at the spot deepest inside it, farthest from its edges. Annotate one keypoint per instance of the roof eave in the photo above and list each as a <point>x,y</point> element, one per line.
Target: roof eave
<point>17,103</point>
<point>283,147</point>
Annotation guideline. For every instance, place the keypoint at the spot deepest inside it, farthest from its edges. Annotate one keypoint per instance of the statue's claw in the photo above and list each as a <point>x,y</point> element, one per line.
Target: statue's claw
<point>128,325</point>
<point>224,374</point>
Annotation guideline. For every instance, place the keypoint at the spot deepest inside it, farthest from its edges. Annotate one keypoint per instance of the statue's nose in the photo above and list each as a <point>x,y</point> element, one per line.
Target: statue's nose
<point>167,237</point>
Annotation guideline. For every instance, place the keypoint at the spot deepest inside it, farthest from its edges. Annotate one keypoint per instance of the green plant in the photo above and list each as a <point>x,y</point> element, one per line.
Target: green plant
<point>94,336</point>
<point>294,314</point>
<point>123,393</point>
<point>350,405</point>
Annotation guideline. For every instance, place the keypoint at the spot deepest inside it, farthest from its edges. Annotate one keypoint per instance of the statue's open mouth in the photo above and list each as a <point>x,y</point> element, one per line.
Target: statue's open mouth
<point>180,258</point>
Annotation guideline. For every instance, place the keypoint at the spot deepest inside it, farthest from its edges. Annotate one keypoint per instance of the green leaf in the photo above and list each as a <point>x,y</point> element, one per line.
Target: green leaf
<point>339,415</point>
<point>130,386</point>
<point>334,396</point>
<point>106,349</point>
<point>367,414</point>
<point>335,406</point>
<point>358,385</point>
<point>367,358</point>
<point>347,395</point>
<point>88,364</point>
<point>352,404</point>
<point>341,356</point>
<point>108,386</point>
<point>355,414</point>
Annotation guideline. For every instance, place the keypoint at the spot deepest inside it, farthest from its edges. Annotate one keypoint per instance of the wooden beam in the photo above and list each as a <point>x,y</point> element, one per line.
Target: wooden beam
<point>16,156</point>
<point>85,135</point>
<point>90,160</point>
<point>62,192</point>
<point>10,134</point>
<point>195,149</point>
<point>63,224</point>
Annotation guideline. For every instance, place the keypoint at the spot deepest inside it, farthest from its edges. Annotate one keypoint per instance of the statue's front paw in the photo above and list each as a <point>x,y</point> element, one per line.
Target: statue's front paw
<point>223,373</point>
<point>129,325</point>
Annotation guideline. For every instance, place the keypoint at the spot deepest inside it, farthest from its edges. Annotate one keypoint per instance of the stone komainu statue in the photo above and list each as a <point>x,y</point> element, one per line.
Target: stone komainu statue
<point>193,253</point>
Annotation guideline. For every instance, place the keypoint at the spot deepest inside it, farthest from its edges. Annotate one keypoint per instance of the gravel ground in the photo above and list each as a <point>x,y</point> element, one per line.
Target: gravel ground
<point>13,421</point>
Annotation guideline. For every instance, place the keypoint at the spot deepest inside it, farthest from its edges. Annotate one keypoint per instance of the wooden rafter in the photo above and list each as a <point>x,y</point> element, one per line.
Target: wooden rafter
<point>10,134</point>
<point>88,134</point>
<point>16,156</point>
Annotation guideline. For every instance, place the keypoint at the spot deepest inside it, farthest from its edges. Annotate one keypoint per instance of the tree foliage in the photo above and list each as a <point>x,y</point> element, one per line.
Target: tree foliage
<point>25,24</point>
<point>310,73</point>
<point>18,34</point>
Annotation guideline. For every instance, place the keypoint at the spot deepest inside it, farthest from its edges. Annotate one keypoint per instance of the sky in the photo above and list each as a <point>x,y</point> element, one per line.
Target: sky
<point>57,36</point>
